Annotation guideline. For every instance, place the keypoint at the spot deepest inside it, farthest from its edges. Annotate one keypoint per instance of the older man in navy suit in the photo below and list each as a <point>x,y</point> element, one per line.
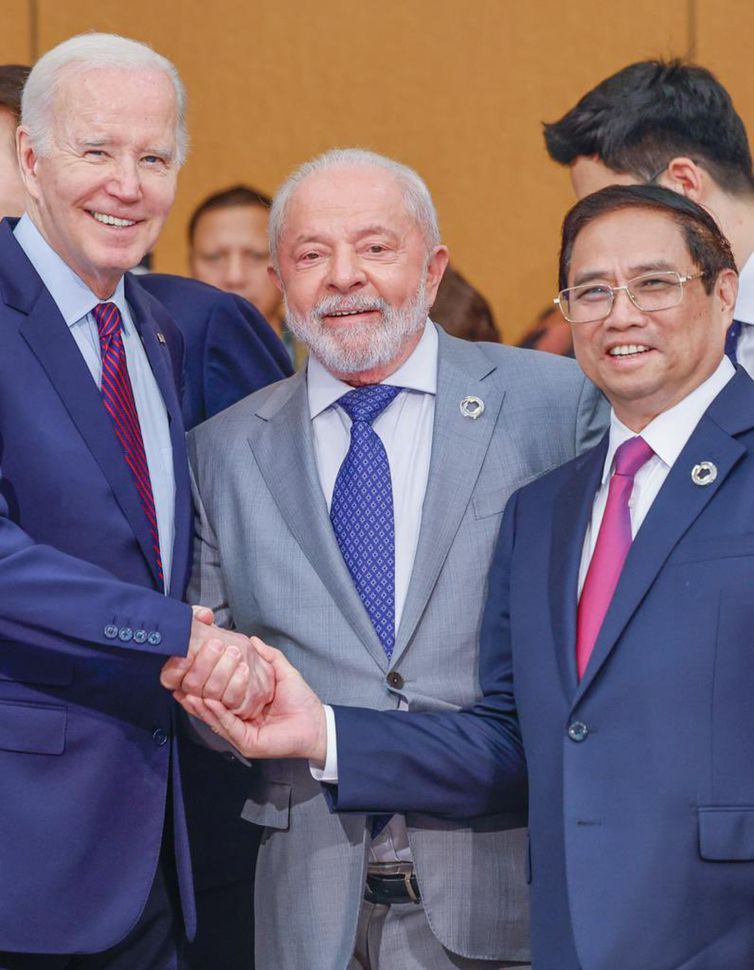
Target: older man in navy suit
<point>95,528</point>
<point>616,653</point>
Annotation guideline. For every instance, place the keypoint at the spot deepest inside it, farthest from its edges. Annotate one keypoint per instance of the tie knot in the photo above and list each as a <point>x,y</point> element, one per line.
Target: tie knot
<point>366,403</point>
<point>631,455</point>
<point>108,319</point>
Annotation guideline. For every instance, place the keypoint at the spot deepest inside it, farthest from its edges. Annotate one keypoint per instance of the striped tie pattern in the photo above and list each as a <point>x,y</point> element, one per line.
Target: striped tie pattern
<point>118,398</point>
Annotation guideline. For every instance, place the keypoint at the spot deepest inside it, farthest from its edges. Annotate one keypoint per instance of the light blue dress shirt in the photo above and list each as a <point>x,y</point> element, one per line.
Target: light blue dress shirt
<point>75,301</point>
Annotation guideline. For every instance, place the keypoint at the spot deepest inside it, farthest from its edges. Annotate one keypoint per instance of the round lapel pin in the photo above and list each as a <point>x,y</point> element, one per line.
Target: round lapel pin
<point>704,473</point>
<point>472,407</point>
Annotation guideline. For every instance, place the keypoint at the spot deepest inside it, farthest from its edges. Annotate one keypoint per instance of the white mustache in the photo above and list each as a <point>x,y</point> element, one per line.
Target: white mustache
<point>337,304</point>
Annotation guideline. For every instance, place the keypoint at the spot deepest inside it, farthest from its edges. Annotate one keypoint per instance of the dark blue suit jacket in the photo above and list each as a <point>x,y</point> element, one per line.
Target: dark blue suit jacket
<point>640,776</point>
<point>230,349</point>
<point>86,731</point>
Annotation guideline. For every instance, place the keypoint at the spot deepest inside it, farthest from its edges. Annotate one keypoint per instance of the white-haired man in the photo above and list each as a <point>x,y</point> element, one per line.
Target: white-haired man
<point>94,527</point>
<point>348,515</point>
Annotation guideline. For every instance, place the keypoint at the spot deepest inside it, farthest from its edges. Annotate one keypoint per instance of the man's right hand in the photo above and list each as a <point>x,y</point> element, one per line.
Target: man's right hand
<point>221,665</point>
<point>293,725</point>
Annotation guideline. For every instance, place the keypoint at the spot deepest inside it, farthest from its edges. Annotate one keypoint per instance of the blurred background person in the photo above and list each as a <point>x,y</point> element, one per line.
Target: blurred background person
<point>549,332</point>
<point>462,311</point>
<point>12,79</point>
<point>227,237</point>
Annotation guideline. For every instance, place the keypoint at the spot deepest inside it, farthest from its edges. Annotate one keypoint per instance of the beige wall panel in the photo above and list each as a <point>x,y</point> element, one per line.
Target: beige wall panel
<point>458,91</point>
<point>15,32</point>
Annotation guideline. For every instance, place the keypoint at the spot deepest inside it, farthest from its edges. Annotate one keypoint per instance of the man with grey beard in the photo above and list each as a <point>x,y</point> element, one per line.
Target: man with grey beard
<point>347,515</point>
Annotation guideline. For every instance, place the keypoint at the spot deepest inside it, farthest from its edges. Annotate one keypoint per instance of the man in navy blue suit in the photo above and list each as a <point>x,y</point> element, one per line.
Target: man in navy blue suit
<point>95,517</point>
<point>616,654</point>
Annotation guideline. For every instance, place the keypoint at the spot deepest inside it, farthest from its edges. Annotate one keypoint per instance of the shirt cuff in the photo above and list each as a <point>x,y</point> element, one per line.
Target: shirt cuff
<point>328,774</point>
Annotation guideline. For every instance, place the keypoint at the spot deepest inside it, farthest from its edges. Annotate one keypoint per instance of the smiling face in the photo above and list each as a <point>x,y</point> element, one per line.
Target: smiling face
<point>101,195</point>
<point>356,272</point>
<point>645,363</point>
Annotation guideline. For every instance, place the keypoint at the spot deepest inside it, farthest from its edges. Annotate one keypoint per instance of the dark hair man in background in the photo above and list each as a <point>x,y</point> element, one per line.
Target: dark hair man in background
<point>12,79</point>
<point>672,124</point>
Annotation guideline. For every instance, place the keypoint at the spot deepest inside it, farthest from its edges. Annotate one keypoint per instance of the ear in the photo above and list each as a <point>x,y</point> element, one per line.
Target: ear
<point>683,175</point>
<point>438,261</point>
<point>726,291</point>
<point>28,160</point>
<point>275,277</point>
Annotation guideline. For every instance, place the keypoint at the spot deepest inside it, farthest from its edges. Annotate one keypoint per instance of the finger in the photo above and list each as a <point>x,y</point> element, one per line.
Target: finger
<point>237,688</point>
<point>231,727</point>
<point>203,614</point>
<point>203,662</point>
<point>173,671</point>
<point>223,672</point>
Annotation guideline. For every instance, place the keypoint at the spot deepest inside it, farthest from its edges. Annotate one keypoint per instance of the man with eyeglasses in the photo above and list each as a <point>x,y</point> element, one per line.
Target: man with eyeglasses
<point>675,125</point>
<point>616,650</point>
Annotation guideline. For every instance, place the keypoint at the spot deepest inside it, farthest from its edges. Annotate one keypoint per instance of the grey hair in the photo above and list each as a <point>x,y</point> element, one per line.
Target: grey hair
<point>415,192</point>
<point>86,52</point>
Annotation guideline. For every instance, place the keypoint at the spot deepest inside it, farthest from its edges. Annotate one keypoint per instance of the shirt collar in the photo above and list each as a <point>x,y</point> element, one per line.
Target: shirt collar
<point>668,433</point>
<point>418,373</point>
<point>745,302</point>
<point>72,296</point>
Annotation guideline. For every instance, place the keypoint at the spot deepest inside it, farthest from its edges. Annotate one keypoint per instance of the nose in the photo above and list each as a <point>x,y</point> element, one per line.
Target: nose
<point>126,181</point>
<point>234,274</point>
<point>623,313</point>
<point>346,272</point>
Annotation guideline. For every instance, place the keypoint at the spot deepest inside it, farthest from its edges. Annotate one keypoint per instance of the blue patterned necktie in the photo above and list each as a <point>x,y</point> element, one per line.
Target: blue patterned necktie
<point>362,509</point>
<point>731,340</point>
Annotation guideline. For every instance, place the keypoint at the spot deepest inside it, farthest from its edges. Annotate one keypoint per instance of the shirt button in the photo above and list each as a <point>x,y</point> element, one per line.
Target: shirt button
<point>125,634</point>
<point>577,731</point>
<point>111,632</point>
<point>154,638</point>
<point>395,680</point>
<point>160,737</point>
<point>140,636</point>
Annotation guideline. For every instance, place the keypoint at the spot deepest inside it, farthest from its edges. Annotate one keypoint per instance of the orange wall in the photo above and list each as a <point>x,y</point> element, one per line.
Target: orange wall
<point>456,90</point>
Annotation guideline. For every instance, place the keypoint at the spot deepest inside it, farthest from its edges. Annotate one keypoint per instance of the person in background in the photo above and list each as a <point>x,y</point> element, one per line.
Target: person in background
<point>462,311</point>
<point>549,332</point>
<point>12,80</point>
<point>671,124</point>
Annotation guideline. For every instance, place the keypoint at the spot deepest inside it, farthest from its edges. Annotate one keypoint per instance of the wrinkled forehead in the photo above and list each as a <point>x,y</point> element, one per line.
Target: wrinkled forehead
<point>114,95</point>
<point>348,195</point>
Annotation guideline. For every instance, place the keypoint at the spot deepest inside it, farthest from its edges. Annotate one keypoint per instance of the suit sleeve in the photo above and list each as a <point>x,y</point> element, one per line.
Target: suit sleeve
<point>458,765</point>
<point>52,601</point>
<point>592,417</point>
<point>242,353</point>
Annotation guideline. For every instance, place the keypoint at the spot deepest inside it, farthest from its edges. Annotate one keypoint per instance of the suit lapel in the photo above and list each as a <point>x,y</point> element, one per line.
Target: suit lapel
<point>678,504</point>
<point>571,513</point>
<point>284,452</point>
<point>146,313</point>
<point>459,445</point>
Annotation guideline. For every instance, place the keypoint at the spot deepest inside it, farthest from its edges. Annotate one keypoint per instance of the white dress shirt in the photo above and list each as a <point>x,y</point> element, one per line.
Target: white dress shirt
<point>405,428</point>
<point>745,314</point>
<point>75,301</point>
<point>666,435</point>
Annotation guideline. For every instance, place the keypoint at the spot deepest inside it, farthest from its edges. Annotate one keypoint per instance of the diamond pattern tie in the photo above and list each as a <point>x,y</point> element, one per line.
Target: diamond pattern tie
<point>118,398</point>
<point>610,550</point>
<point>731,340</point>
<point>362,510</point>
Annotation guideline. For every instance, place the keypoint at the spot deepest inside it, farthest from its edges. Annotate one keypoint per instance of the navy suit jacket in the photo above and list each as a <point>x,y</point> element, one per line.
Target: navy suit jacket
<point>640,776</point>
<point>86,730</point>
<point>230,349</point>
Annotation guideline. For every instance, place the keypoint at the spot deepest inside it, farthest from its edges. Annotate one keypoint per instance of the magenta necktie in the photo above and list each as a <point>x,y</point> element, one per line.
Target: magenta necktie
<point>610,550</point>
<point>118,398</point>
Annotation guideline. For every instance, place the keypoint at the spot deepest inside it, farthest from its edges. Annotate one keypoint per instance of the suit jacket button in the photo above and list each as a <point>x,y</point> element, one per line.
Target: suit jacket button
<point>125,634</point>
<point>160,737</point>
<point>577,731</point>
<point>140,636</point>
<point>395,680</point>
<point>111,632</point>
<point>154,638</point>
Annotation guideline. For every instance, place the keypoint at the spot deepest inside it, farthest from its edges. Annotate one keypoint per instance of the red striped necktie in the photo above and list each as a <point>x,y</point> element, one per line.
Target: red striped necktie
<point>118,398</point>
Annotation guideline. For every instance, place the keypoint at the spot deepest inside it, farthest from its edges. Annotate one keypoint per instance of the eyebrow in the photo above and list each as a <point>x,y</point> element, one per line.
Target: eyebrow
<point>372,230</point>
<point>102,142</point>
<point>638,269</point>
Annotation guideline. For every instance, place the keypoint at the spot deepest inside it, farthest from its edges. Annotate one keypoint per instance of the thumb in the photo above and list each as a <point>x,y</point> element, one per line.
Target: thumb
<point>203,614</point>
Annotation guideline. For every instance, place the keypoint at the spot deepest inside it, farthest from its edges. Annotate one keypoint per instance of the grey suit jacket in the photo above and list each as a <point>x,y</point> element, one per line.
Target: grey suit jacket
<point>267,562</point>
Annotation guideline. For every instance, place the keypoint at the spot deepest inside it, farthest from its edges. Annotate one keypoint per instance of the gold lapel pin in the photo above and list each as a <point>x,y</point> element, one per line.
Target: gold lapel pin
<point>704,473</point>
<point>472,407</point>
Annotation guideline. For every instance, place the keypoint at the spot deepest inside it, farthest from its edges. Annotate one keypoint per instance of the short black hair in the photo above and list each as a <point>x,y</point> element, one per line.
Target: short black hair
<point>237,195</point>
<point>12,80</point>
<point>709,249</point>
<point>638,120</point>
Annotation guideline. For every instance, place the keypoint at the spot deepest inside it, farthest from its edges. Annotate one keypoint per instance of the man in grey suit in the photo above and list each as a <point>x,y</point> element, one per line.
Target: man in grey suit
<point>347,515</point>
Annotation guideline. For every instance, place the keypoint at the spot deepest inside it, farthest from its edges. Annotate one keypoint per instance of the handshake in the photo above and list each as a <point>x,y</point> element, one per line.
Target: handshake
<point>247,693</point>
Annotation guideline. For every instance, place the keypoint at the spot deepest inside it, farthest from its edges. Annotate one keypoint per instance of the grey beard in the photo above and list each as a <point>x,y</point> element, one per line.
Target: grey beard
<point>364,346</point>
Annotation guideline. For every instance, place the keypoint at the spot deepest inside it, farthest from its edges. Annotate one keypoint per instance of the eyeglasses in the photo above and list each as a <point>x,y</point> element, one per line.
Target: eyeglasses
<point>650,292</point>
